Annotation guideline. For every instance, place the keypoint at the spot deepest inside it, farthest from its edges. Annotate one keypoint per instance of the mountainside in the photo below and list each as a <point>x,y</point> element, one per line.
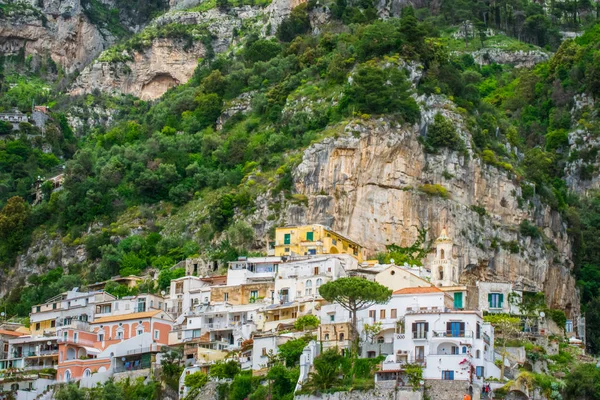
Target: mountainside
<point>197,127</point>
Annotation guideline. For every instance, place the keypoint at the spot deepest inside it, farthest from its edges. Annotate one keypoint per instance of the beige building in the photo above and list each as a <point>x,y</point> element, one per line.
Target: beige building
<point>392,276</point>
<point>243,294</point>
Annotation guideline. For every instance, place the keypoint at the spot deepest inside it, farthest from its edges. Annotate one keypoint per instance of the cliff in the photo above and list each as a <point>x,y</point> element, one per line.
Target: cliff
<point>58,29</point>
<point>366,184</point>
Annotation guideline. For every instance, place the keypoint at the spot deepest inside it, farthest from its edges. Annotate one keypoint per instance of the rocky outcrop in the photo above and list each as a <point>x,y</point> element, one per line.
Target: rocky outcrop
<point>519,58</point>
<point>58,29</point>
<point>44,253</point>
<point>167,62</point>
<point>151,72</point>
<point>366,184</point>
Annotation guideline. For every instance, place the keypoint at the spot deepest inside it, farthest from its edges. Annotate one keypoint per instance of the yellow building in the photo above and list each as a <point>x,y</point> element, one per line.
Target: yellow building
<point>314,239</point>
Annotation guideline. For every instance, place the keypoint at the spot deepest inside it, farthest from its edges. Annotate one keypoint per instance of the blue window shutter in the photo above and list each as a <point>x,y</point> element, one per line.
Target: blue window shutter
<point>501,300</point>
<point>490,299</point>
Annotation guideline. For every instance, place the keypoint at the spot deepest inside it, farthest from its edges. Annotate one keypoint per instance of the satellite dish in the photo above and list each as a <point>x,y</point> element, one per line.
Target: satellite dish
<point>162,292</point>
<point>542,314</point>
<point>123,358</point>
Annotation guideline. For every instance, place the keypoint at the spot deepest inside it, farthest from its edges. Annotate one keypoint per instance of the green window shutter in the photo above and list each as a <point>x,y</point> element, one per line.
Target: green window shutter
<point>458,300</point>
<point>309,236</point>
<point>501,300</point>
<point>490,299</point>
<point>287,238</point>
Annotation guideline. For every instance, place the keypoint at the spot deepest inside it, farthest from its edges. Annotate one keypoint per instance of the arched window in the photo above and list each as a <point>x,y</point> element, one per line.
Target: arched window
<point>67,376</point>
<point>327,336</point>
<point>441,273</point>
<point>319,282</point>
<point>87,373</point>
<point>380,339</point>
<point>341,337</point>
<point>478,354</point>
<point>71,354</point>
<point>308,288</point>
<point>442,255</point>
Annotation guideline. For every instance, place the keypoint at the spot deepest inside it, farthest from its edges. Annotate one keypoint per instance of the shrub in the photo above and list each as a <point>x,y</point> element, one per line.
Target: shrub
<point>526,228</point>
<point>306,322</point>
<point>434,190</point>
<point>442,133</point>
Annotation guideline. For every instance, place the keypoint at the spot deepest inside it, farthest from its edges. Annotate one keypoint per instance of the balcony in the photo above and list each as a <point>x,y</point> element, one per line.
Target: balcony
<point>419,335</point>
<point>452,334</point>
<point>80,342</point>
<point>74,324</point>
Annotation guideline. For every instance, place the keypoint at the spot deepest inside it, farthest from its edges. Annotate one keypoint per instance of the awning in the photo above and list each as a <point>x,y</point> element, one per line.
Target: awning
<point>92,350</point>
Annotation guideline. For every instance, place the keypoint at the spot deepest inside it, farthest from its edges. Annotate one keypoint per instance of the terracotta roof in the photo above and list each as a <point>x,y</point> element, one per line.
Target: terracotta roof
<point>139,315</point>
<point>10,333</point>
<point>418,290</point>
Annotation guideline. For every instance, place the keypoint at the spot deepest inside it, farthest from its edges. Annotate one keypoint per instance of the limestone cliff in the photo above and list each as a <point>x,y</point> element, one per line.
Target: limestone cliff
<point>148,75</point>
<point>149,72</point>
<point>58,29</point>
<point>365,183</point>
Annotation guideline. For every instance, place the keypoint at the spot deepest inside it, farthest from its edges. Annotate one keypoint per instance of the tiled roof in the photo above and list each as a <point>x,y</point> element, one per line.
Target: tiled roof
<point>418,290</point>
<point>10,333</point>
<point>139,315</point>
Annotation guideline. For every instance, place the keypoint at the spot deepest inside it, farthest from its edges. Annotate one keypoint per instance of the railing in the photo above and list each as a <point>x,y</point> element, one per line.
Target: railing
<point>123,368</point>
<point>153,347</point>
<point>486,338</point>
<point>419,335</point>
<point>71,340</point>
<point>453,334</point>
<point>75,324</point>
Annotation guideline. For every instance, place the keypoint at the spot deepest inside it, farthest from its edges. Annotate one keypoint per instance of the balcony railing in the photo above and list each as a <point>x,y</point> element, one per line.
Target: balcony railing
<point>452,334</point>
<point>71,340</point>
<point>419,335</point>
<point>151,348</point>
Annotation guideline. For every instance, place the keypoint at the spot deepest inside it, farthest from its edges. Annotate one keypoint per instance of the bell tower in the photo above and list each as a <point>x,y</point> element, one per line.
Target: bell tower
<point>444,271</point>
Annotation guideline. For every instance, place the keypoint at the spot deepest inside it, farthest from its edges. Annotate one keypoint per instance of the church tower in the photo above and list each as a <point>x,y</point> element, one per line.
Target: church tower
<point>444,270</point>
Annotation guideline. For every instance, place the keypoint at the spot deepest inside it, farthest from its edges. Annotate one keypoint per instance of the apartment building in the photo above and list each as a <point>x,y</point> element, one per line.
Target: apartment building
<point>308,240</point>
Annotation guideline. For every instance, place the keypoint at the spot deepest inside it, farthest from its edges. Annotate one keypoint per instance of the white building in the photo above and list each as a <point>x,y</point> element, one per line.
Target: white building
<point>130,304</point>
<point>450,345</point>
<point>300,280</point>
<point>266,346</point>
<point>252,269</point>
<point>182,293</point>
<point>499,297</point>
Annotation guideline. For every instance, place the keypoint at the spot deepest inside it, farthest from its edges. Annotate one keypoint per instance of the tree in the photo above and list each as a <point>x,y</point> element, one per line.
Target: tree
<point>371,331</point>
<point>355,294</point>
<point>505,328</point>
<point>442,133</point>
<point>196,380</point>
<point>171,368</point>
<point>224,369</point>
<point>307,322</point>
<point>13,220</point>
<point>582,383</point>
<point>326,370</point>
<point>290,351</point>
<point>296,24</point>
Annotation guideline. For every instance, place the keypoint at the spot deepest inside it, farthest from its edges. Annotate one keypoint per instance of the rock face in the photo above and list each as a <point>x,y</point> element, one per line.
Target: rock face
<point>58,29</point>
<point>167,62</point>
<point>151,73</point>
<point>365,184</point>
<point>518,58</point>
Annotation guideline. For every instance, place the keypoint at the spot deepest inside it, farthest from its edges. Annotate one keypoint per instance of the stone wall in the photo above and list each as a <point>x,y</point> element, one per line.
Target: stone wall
<point>449,390</point>
<point>375,394</point>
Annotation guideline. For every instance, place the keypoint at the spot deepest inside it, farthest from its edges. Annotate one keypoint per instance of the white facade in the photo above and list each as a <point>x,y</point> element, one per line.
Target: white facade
<point>300,280</point>
<point>252,269</point>
<point>263,346</point>
<point>180,298</point>
<point>131,304</point>
<point>447,344</point>
<point>498,297</point>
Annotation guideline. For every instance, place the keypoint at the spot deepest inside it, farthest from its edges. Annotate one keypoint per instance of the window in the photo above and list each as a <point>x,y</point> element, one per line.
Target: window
<point>458,300</point>
<point>478,331</point>
<point>37,326</point>
<point>455,329</point>
<point>294,314</point>
<point>320,282</point>
<point>441,273</point>
<point>341,337</point>
<point>156,334</point>
<point>495,300</point>
<point>308,288</point>
<point>373,315</point>
<point>332,317</point>
<point>37,309</point>
<point>380,339</point>
<point>479,372</point>
<point>316,271</point>
<point>442,254</point>
<point>381,314</point>
<point>448,375</point>
<point>393,313</point>
<point>420,330</point>
<point>569,326</point>
<point>140,331</point>
<point>75,337</point>
<point>287,238</point>
<point>120,335</point>
<point>264,351</point>
<point>310,236</point>
<point>327,336</point>
<point>371,354</point>
<point>54,306</point>
<point>286,250</point>
<point>420,353</point>
<point>454,350</point>
<point>478,354</point>
<point>254,294</point>
<point>225,296</point>
<point>101,337</point>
